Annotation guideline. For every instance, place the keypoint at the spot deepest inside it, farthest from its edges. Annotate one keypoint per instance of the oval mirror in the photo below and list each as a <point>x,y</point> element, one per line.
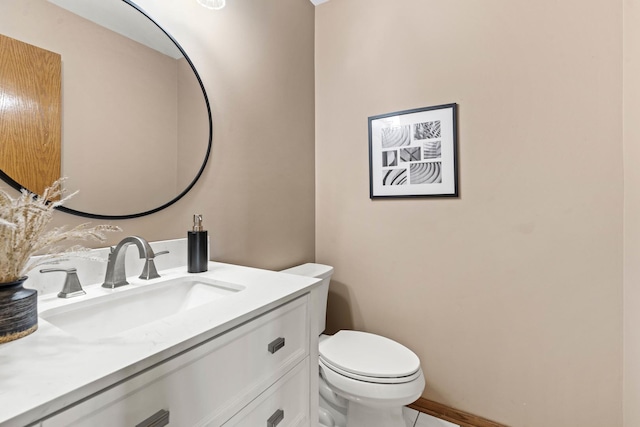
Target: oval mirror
<point>135,121</point>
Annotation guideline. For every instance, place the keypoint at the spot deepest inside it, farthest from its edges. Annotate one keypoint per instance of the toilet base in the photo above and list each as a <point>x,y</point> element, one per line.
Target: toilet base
<point>333,408</point>
<point>359,416</point>
<point>365,416</point>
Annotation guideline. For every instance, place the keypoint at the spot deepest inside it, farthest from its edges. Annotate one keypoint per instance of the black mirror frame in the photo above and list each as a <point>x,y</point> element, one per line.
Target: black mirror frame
<point>19,187</point>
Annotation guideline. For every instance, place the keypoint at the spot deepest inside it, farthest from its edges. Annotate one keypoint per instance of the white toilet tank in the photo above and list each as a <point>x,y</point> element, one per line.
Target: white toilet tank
<point>320,293</point>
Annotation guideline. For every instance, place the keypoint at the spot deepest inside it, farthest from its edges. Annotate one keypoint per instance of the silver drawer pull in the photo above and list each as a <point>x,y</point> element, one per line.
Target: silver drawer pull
<point>276,345</point>
<point>275,419</point>
<point>159,419</point>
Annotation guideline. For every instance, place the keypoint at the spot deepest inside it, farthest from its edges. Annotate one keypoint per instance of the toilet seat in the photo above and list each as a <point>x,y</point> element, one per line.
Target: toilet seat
<point>368,357</point>
<point>376,380</point>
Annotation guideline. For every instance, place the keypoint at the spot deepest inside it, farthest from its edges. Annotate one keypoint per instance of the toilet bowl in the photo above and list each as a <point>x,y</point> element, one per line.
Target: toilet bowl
<point>365,379</point>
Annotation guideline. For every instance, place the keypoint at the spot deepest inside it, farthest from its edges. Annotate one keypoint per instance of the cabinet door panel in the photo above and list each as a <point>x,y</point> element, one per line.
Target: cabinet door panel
<point>30,114</point>
<point>284,404</point>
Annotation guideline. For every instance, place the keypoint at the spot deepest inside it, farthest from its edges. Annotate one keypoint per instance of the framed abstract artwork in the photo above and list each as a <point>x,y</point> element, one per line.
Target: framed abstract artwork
<point>413,153</point>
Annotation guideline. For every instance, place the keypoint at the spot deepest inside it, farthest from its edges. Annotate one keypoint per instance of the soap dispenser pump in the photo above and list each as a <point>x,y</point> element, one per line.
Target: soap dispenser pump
<point>197,247</point>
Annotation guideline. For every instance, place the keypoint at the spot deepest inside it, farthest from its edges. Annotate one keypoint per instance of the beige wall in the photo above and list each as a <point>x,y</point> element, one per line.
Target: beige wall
<point>193,126</point>
<point>631,213</point>
<point>257,193</point>
<point>510,294</point>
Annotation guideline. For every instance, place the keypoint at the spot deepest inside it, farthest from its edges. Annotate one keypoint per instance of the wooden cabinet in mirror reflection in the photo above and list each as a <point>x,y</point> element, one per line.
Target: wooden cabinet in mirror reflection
<point>30,114</point>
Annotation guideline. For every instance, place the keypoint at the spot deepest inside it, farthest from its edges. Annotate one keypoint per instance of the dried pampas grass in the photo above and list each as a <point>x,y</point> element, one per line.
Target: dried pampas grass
<point>23,231</point>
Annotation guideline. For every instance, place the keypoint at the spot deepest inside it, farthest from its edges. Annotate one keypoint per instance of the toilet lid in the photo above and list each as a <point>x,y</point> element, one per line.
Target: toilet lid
<point>368,355</point>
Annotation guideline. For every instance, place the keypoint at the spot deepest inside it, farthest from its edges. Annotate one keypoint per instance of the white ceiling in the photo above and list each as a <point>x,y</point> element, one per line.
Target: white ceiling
<point>120,17</point>
<point>317,2</point>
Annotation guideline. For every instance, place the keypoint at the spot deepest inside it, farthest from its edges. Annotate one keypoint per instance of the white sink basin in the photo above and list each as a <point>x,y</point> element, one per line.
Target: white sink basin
<point>124,309</point>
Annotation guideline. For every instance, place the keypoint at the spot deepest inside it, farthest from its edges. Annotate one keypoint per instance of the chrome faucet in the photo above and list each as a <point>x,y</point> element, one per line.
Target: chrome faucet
<point>116,275</point>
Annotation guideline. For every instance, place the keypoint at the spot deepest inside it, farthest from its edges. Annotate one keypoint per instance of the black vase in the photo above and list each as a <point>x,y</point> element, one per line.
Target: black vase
<point>18,310</point>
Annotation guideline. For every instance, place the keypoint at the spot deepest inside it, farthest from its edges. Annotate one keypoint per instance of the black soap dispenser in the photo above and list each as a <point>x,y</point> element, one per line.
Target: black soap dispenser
<point>197,247</point>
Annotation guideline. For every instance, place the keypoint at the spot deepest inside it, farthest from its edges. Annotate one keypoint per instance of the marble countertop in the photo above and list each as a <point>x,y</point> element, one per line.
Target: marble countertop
<point>51,369</point>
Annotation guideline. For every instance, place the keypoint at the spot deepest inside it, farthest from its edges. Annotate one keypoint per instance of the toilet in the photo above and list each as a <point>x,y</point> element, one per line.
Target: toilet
<point>365,379</point>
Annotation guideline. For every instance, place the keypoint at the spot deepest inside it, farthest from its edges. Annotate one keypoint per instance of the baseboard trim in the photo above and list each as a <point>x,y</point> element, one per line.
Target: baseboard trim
<point>463,419</point>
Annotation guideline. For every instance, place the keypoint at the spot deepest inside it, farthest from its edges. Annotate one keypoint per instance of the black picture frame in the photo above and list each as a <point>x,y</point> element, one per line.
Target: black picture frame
<point>414,153</point>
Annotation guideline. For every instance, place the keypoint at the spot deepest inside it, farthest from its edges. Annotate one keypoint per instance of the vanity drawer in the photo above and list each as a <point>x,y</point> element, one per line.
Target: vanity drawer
<point>208,384</point>
<point>284,404</point>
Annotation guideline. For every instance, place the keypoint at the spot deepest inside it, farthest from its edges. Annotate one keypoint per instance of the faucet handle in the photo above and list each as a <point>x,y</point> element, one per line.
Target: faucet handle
<point>149,271</point>
<point>72,286</point>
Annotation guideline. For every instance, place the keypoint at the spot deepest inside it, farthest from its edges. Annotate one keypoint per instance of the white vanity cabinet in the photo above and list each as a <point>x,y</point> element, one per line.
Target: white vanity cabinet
<point>256,374</point>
